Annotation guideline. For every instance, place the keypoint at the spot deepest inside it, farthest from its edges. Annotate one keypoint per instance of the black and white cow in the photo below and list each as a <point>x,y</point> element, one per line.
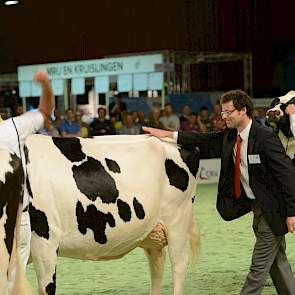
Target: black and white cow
<point>277,118</point>
<point>11,187</point>
<point>98,199</point>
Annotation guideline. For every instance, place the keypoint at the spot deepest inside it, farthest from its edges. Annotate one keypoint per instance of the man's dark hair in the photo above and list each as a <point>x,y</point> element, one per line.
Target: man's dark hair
<point>240,100</point>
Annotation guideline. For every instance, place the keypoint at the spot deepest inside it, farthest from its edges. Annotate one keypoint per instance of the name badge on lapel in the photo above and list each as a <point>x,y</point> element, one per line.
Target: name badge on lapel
<point>254,159</point>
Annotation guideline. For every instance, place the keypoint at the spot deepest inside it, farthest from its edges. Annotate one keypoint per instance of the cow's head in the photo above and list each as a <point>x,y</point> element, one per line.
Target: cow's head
<point>276,116</point>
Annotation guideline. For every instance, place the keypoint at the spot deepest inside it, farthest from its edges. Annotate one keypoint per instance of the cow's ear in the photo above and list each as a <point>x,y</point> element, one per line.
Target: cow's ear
<point>291,101</point>
<point>274,102</point>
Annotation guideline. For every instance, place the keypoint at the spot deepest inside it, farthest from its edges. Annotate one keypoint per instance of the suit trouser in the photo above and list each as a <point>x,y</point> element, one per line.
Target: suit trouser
<point>268,257</point>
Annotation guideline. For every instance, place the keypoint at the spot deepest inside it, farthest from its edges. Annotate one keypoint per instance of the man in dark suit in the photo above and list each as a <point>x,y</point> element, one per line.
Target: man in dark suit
<point>255,175</point>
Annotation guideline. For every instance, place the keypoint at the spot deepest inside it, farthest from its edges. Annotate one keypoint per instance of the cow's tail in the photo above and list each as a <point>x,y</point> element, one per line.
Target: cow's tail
<point>21,284</point>
<point>195,241</point>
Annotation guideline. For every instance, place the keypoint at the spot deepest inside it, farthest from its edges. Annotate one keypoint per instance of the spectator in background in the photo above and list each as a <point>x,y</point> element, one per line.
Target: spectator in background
<point>185,114</point>
<point>116,124</point>
<point>169,120</point>
<point>259,115</point>
<point>100,125</point>
<point>58,120</point>
<point>191,124</point>
<point>128,127</point>
<point>69,127</point>
<point>204,119</point>
<point>84,127</point>
<point>49,129</point>
<point>117,108</point>
<point>154,119</point>
<point>217,122</point>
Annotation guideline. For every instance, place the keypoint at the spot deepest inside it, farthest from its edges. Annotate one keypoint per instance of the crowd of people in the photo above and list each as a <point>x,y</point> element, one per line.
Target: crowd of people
<point>121,121</point>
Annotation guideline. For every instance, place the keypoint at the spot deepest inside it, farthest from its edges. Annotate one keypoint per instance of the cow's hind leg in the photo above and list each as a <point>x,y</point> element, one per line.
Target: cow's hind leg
<point>156,259</point>
<point>45,266</point>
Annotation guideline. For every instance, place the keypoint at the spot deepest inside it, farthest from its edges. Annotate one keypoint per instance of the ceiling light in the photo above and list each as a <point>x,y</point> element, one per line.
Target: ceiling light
<point>11,2</point>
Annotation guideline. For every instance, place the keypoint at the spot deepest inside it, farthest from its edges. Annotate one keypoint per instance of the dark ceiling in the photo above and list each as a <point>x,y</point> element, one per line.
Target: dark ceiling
<point>40,31</point>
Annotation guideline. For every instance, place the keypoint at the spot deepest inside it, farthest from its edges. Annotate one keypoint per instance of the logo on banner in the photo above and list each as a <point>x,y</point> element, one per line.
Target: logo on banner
<point>206,174</point>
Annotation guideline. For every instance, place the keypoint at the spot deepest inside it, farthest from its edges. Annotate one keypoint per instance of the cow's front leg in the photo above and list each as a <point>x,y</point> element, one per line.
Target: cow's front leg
<point>45,260</point>
<point>156,259</point>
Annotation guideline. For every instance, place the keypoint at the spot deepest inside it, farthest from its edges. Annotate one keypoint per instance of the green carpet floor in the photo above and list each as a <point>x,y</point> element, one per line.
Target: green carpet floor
<point>221,268</point>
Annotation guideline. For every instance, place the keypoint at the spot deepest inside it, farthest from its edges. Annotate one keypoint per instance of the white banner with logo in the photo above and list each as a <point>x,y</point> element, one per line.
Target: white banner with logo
<point>209,171</point>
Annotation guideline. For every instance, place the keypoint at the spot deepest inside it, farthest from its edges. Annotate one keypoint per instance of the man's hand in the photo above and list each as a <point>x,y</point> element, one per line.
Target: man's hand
<point>158,132</point>
<point>290,109</point>
<point>291,224</point>
<point>46,104</point>
<point>41,77</point>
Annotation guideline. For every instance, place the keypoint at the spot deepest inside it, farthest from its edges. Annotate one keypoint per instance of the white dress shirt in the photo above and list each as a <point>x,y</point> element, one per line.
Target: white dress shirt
<point>244,160</point>
<point>26,124</point>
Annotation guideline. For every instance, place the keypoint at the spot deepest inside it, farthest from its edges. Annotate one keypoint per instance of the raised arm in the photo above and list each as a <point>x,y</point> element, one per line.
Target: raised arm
<point>47,103</point>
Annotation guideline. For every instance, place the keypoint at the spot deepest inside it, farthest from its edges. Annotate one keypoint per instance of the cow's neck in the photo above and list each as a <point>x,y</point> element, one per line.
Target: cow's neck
<point>288,144</point>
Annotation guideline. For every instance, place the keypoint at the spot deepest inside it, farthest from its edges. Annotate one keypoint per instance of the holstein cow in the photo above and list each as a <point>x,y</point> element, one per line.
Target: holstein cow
<point>280,122</point>
<point>11,187</point>
<point>98,199</point>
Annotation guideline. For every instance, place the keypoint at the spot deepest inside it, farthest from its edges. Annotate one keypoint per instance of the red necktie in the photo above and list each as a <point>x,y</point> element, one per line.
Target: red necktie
<point>237,187</point>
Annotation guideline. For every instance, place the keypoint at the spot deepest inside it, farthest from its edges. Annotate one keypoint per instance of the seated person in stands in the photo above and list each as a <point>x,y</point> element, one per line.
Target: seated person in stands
<point>69,127</point>
<point>100,125</point>
<point>128,127</point>
<point>154,119</point>
<point>117,108</point>
<point>204,119</point>
<point>49,129</point>
<point>169,120</point>
<point>192,123</point>
<point>217,122</point>
<point>185,114</point>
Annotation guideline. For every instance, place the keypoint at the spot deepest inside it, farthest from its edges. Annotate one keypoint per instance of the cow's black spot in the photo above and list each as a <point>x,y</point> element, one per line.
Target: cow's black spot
<point>191,157</point>
<point>93,181</point>
<point>139,211</point>
<point>10,198</point>
<point>51,287</point>
<point>70,148</point>
<point>39,223</point>
<point>113,166</point>
<point>124,210</point>
<point>177,176</point>
<point>94,220</point>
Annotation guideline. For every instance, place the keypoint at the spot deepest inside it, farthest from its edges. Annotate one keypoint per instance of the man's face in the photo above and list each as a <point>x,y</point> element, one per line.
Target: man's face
<point>233,117</point>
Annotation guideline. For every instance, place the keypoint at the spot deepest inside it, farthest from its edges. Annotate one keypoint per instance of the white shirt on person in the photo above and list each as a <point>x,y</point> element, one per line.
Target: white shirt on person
<point>244,160</point>
<point>26,124</point>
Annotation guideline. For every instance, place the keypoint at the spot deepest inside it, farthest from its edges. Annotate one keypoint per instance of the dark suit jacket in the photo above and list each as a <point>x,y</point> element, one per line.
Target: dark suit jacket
<point>272,180</point>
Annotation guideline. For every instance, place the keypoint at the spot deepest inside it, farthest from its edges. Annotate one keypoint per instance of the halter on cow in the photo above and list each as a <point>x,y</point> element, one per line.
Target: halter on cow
<point>278,119</point>
<point>98,199</point>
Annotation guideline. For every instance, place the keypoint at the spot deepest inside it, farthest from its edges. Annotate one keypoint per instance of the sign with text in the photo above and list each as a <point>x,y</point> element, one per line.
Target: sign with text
<point>94,68</point>
<point>209,171</point>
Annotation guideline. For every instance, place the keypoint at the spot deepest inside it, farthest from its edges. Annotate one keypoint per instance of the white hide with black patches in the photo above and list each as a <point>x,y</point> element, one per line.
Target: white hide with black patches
<point>100,198</point>
<point>280,122</point>
<point>11,187</point>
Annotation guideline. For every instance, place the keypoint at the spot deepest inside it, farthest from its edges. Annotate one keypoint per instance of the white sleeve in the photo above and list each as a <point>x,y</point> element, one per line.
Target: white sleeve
<point>292,124</point>
<point>28,123</point>
<point>175,135</point>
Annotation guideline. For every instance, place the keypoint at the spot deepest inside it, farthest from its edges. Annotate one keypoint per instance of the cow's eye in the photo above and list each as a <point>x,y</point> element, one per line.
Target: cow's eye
<point>274,102</point>
<point>283,107</point>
